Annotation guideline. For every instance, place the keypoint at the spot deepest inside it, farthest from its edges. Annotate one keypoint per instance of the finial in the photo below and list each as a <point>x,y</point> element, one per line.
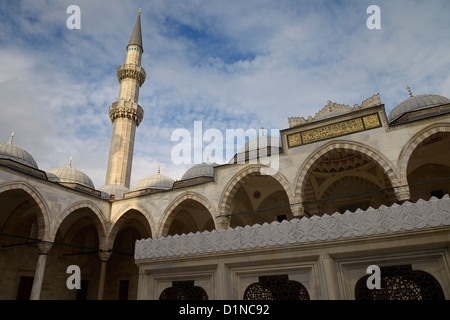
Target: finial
<point>207,157</point>
<point>139,12</point>
<point>409,91</point>
<point>70,161</point>
<point>262,130</point>
<point>11,139</point>
<point>159,169</point>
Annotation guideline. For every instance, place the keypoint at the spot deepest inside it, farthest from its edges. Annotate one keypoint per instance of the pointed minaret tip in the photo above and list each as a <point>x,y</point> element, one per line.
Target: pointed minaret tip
<point>136,36</point>
<point>159,169</point>
<point>70,161</point>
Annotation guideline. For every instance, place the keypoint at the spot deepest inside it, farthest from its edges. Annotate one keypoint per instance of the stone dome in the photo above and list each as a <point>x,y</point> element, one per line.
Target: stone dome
<point>113,189</point>
<point>199,170</point>
<point>415,103</point>
<point>12,152</point>
<point>69,175</point>
<point>156,181</point>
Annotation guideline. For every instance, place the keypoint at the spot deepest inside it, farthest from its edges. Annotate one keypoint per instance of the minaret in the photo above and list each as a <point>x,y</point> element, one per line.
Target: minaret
<point>125,113</point>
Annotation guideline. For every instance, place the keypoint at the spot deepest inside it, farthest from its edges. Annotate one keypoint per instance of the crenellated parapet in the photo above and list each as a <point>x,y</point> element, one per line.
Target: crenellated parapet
<point>126,109</point>
<point>133,71</point>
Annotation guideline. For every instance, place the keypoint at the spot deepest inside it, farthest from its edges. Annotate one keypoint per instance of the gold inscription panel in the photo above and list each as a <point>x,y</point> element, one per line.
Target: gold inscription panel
<point>334,130</point>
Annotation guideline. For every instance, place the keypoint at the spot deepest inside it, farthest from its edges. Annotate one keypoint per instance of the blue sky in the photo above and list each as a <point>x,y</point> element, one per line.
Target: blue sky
<point>230,64</point>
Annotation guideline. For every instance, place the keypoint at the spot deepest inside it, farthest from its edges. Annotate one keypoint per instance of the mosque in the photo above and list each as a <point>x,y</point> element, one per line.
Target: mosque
<point>354,187</point>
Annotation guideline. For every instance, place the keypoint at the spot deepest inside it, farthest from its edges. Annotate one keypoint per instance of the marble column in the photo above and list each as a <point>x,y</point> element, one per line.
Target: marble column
<point>104,257</point>
<point>44,248</point>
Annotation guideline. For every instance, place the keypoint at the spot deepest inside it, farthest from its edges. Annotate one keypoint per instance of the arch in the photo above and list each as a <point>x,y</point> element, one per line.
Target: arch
<point>43,215</point>
<point>239,179</point>
<point>344,145</point>
<point>169,214</point>
<point>101,223</point>
<point>117,222</point>
<point>412,144</point>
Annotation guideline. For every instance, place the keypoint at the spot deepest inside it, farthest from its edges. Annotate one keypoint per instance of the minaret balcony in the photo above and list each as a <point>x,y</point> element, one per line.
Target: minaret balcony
<point>126,109</point>
<point>131,70</point>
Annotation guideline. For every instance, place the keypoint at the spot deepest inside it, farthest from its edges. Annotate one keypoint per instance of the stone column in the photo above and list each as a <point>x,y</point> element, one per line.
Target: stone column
<point>44,248</point>
<point>402,194</point>
<point>222,222</point>
<point>329,277</point>
<point>104,257</point>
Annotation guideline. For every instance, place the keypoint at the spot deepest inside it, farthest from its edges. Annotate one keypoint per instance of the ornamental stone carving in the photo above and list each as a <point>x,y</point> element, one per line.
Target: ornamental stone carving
<point>126,109</point>
<point>133,71</point>
<point>384,220</point>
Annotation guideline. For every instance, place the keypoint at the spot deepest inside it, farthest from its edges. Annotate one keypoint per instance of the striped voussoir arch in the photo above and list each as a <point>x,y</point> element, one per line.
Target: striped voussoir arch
<point>42,214</point>
<point>169,215</point>
<point>119,220</point>
<point>239,179</point>
<point>100,223</point>
<point>344,146</point>
<point>412,145</point>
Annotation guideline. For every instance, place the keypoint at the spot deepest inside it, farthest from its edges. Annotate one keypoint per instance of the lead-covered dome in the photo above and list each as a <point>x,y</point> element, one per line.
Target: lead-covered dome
<point>156,181</point>
<point>69,175</point>
<point>416,103</point>
<point>200,170</point>
<point>12,152</point>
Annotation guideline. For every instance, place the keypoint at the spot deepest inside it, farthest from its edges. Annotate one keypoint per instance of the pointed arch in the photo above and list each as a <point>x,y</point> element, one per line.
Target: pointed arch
<point>412,144</point>
<point>101,223</point>
<point>376,156</point>
<point>169,214</point>
<point>117,221</point>
<point>242,176</point>
<point>43,215</point>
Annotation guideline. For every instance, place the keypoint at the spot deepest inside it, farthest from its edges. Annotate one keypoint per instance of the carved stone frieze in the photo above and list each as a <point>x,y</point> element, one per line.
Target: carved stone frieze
<point>126,109</point>
<point>133,71</point>
<point>384,220</point>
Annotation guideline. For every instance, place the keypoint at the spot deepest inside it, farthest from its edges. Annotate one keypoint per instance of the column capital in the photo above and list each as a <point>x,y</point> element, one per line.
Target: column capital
<point>222,222</point>
<point>44,247</point>
<point>104,255</point>
<point>298,211</point>
<point>402,193</point>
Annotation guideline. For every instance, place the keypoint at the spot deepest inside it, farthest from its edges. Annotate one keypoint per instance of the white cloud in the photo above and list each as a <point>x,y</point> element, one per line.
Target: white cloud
<point>248,65</point>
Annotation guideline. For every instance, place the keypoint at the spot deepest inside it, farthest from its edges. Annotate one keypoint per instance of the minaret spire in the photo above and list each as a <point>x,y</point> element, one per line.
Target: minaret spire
<point>136,36</point>
<point>125,113</point>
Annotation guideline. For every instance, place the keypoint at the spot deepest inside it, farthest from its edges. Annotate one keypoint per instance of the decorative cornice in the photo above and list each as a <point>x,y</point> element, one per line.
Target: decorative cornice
<point>372,222</point>
<point>337,108</point>
<point>126,109</point>
<point>133,71</point>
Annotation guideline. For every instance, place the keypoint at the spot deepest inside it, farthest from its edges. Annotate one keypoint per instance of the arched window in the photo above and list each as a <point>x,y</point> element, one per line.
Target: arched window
<point>276,288</point>
<point>401,283</point>
<point>183,290</point>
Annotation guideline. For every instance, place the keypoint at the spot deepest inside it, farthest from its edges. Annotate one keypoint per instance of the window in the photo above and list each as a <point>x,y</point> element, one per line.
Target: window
<point>437,193</point>
<point>401,283</point>
<point>183,290</point>
<point>276,288</point>
<point>25,286</point>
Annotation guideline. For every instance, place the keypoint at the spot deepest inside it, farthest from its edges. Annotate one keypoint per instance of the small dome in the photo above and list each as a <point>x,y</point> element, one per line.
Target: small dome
<point>414,103</point>
<point>69,175</point>
<point>156,181</point>
<point>113,189</point>
<point>200,170</point>
<point>11,152</point>
<point>261,142</point>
